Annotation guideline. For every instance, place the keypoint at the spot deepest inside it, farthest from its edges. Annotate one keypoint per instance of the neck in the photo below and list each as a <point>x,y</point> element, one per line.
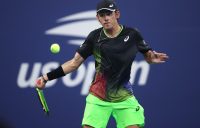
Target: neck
<point>111,33</point>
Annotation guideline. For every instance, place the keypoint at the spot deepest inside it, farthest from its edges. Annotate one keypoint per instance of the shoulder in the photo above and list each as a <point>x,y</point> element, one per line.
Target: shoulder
<point>93,35</point>
<point>130,29</point>
<point>133,33</point>
<point>95,32</point>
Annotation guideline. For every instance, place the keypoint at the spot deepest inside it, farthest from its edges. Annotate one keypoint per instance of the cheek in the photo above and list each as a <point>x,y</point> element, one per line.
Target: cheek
<point>100,20</point>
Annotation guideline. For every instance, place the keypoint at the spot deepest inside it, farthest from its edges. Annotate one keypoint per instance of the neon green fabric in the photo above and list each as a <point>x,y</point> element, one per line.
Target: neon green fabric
<point>126,113</point>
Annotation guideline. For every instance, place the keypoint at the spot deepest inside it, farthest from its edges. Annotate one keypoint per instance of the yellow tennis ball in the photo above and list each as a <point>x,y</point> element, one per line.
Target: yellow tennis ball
<point>55,48</point>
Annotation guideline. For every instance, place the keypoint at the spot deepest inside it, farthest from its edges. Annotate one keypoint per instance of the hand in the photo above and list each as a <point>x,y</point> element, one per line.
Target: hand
<point>40,83</point>
<point>155,57</point>
<point>159,57</point>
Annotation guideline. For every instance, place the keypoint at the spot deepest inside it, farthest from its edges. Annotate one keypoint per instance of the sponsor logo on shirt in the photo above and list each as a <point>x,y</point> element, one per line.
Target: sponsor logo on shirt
<point>126,38</point>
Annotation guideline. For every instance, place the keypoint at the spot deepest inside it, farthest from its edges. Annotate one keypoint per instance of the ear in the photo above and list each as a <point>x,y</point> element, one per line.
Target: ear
<point>117,14</point>
<point>97,16</point>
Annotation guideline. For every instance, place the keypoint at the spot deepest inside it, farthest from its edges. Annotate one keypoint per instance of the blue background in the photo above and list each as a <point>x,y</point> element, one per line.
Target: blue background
<point>170,97</point>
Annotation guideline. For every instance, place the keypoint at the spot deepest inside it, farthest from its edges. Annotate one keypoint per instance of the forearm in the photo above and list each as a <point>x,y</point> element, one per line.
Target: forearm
<point>65,68</point>
<point>70,66</point>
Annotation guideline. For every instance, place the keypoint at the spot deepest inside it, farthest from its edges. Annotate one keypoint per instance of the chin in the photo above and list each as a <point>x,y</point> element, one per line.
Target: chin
<point>107,27</point>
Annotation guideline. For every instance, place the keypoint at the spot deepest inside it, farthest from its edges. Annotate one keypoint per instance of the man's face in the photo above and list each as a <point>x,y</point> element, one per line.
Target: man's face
<point>108,19</point>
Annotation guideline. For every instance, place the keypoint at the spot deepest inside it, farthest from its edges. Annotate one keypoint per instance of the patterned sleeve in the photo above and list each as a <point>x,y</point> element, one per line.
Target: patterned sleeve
<point>85,50</point>
<point>142,46</point>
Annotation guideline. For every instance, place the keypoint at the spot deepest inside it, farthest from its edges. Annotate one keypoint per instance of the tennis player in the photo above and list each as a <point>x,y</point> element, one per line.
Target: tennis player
<point>114,47</point>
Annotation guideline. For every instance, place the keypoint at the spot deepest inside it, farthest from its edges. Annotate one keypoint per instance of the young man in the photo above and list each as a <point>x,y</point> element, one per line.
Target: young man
<point>114,48</point>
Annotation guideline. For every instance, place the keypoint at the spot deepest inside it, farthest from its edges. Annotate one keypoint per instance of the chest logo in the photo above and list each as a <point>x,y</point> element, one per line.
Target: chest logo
<point>126,39</point>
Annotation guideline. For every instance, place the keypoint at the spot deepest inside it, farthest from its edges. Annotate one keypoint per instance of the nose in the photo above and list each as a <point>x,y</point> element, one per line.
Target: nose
<point>106,18</point>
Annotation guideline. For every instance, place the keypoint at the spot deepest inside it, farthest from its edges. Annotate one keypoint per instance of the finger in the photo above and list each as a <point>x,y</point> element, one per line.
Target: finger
<point>159,62</point>
<point>162,61</point>
<point>38,82</point>
<point>161,54</point>
<point>165,57</point>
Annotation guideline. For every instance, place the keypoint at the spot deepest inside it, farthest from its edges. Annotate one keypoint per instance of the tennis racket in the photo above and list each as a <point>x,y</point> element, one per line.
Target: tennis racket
<point>42,100</point>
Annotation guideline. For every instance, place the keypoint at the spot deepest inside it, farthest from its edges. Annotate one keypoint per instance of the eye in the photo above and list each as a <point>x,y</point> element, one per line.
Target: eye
<point>108,13</point>
<point>101,14</point>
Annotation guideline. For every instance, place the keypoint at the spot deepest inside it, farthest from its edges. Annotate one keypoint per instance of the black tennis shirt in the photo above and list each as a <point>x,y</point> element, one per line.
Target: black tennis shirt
<point>113,60</point>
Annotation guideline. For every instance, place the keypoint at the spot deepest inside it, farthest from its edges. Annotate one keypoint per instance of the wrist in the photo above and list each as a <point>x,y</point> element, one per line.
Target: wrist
<point>44,78</point>
<point>57,73</point>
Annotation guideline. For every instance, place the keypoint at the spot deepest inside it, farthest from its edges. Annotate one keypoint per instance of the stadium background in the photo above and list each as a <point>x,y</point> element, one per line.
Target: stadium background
<point>170,96</point>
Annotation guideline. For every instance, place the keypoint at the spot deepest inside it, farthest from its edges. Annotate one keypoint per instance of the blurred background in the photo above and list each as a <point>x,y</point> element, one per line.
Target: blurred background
<point>169,92</point>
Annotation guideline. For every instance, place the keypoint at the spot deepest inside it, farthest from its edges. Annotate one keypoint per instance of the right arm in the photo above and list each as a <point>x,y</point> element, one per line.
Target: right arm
<point>73,64</point>
<point>67,67</point>
<point>82,53</point>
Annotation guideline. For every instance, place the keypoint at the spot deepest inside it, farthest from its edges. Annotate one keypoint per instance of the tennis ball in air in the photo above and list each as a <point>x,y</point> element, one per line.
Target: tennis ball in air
<point>55,48</point>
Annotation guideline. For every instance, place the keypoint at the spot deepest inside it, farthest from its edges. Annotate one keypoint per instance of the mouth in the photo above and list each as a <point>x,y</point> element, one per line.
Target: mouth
<point>106,23</point>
